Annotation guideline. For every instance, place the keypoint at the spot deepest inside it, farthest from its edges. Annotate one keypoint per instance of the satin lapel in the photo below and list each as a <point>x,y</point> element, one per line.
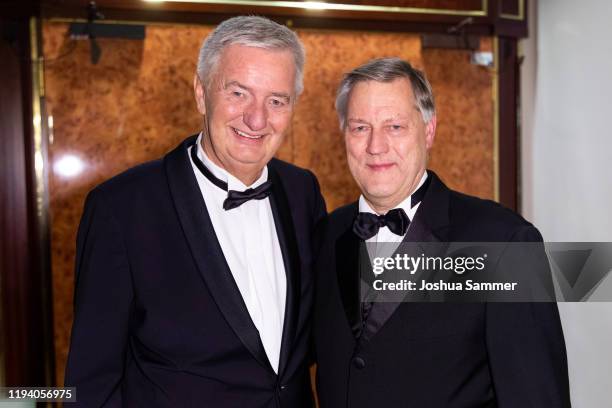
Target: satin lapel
<point>420,230</point>
<point>287,240</point>
<point>207,252</point>
<point>347,270</point>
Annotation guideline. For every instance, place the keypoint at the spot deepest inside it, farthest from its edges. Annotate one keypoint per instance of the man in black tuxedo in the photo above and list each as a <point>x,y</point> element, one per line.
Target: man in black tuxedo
<point>386,354</point>
<point>193,272</point>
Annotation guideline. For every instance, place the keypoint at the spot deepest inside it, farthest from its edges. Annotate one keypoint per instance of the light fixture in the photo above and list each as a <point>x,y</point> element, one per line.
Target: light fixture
<point>68,166</point>
<point>315,5</point>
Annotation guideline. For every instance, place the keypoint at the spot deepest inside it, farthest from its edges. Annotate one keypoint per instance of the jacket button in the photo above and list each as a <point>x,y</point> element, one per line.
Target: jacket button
<point>359,362</point>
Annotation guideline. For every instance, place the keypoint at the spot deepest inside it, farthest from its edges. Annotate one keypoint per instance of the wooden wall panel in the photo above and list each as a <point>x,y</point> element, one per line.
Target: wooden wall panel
<point>137,104</point>
<point>463,148</point>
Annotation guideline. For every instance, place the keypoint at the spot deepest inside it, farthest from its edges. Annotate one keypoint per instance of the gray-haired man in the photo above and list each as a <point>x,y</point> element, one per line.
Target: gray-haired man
<point>435,355</point>
<point>192,287</point>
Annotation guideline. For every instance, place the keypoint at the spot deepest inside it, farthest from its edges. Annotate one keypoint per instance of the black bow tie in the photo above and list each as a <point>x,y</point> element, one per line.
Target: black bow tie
<point>234,198</point>
<point>366,225</point>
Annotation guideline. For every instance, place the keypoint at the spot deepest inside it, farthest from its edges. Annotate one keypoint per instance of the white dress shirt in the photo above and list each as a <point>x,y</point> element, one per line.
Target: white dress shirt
<point>384,235</point>
<point>247,235</point>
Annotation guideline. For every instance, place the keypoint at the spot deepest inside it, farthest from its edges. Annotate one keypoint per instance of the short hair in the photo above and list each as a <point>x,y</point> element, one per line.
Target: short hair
<point>386,70</point>
<point>250,31</point>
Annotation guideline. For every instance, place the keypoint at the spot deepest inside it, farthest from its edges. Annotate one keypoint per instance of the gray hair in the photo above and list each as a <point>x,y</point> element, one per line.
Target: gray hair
<point>250,31</point>
<point>386,70</point>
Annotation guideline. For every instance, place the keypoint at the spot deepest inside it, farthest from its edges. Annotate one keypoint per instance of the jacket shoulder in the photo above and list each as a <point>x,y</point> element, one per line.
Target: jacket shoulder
<point>136,180</point>
<point>344,213</point>
<point>286,169</point>
<point>491,219</point>
<point>342,218</point>
<point>479,208</point>
<point>299,183</point>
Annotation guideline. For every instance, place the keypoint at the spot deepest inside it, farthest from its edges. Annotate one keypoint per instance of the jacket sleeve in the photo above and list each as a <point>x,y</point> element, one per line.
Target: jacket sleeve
<point>102,304</point>
<point>526,348</point>
<point>527,355</point>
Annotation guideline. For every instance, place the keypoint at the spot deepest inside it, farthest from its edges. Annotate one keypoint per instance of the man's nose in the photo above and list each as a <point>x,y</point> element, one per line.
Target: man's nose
<point>255,115</point>
<point>377,143</point>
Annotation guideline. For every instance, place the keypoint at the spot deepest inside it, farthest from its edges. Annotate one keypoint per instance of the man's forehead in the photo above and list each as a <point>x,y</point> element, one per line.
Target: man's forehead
<point>381,100</point>
<point>376,93</point>
<point>249,51</point>
<point>255,68</point>
<point>383,116</point>
<point>399,88</point>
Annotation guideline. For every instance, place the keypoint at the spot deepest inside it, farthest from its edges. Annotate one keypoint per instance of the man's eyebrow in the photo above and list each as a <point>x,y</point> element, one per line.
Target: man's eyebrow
<point>246,88</point>
<point>395,118</point>
<point>359,120</point>
<point>282,95</point>
<point>236,83</point>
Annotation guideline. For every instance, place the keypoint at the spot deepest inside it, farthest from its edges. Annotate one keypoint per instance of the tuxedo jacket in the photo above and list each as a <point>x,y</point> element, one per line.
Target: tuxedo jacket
<point>159,320</point>
<point>434,355</point>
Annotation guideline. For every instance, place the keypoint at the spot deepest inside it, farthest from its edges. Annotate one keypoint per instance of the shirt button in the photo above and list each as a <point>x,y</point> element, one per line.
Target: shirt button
<point>359,362</point>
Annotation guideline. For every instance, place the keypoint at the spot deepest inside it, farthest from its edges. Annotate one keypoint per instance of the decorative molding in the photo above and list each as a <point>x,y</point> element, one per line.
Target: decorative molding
<point>321,5</point>
<point>520,16</point>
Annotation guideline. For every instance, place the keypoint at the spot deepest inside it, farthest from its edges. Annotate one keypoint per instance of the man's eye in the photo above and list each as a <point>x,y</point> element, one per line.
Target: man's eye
<point>359,129</point>
<point>237,93</point>
<point>395,127</point>
<point>276,102</point>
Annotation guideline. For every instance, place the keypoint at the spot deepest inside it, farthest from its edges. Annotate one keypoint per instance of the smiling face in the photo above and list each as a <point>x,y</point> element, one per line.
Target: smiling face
<point>386,141</point>
<point>248,108</point>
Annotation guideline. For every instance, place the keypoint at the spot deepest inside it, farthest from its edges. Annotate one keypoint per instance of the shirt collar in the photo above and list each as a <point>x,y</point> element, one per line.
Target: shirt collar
<point>233,183</point>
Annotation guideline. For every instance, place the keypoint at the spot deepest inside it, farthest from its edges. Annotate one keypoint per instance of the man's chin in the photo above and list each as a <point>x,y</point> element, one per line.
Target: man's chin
<point>250,163</point>
<point>379,195</point>
<point>250,157</point>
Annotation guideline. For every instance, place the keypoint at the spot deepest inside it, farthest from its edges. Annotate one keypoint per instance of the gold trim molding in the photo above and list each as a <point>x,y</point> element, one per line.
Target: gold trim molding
<point>518,17</point>
<point>495,97</point>
<point>37,93</point>
<point>41,169</point>
<point>321,6</point>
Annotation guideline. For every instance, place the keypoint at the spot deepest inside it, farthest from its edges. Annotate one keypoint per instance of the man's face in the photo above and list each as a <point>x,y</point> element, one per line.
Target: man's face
<point>386,141</point>
<point>248,108</point>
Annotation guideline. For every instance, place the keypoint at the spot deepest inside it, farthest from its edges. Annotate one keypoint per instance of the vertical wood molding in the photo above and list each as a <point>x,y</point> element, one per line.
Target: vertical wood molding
<point>24,280</point>
<point>41,276</point>
<point>508,88</point>
<point>14,244</point>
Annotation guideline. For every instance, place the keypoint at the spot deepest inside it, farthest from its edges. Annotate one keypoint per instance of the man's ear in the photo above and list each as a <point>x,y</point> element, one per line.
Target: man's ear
<point>200,96</point>
<point>430,132</point>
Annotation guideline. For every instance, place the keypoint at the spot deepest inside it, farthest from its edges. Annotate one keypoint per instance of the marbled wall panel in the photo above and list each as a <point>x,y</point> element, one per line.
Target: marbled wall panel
<point>463,149</point>
<point>136,104</point>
